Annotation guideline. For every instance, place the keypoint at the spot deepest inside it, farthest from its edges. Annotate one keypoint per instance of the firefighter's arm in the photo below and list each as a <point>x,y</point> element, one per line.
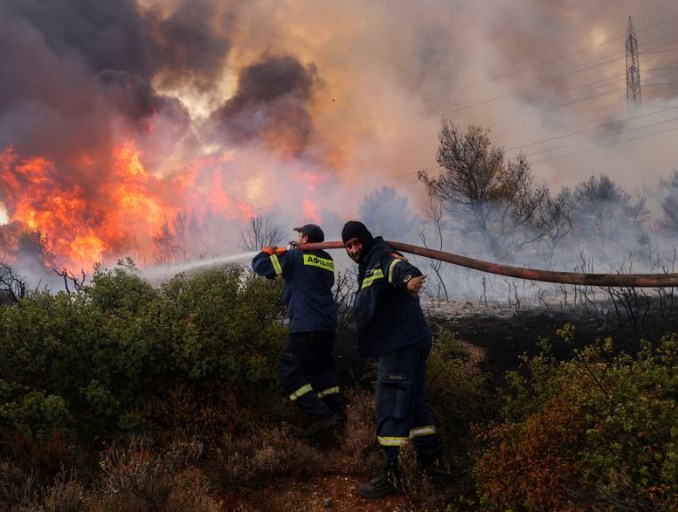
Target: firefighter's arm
<point>402,274</point>
<point>267,263</point>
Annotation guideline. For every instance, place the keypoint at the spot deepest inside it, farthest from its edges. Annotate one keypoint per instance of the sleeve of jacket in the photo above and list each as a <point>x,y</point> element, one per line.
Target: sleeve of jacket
<point>274,265</point>
<point>397,269</point>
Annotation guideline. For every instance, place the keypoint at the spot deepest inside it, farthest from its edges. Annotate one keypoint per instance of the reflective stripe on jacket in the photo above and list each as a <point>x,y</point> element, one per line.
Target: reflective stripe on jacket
<point>388,317</point>
<point>308,277</point>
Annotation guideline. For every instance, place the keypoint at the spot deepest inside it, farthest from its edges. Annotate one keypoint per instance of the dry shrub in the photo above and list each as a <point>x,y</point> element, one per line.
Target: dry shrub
<point>20,492</point>
<point>186,490</point>
<point>190,413</point>
<point>414,481</point>
<point>530,466</point>
<point>45,457</point>
<point>263,454</point>
<point>289,499</point>
<point>66,495</point>
<point>16,486</point>
<point>359,450</point>
<point>138,479</point>
<point>206,413</point>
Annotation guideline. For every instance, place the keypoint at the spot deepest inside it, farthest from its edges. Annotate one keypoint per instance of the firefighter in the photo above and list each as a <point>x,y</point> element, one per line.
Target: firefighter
<point>392,329</point>
<point>307,369</point>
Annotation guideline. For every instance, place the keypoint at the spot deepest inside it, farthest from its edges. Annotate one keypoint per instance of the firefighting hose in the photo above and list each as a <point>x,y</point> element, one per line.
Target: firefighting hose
<point>665,280</point>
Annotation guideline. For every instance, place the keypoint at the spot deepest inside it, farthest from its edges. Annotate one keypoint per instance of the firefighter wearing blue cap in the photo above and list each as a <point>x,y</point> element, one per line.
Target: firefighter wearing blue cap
<point>392,329</point>
<point>307,368</point>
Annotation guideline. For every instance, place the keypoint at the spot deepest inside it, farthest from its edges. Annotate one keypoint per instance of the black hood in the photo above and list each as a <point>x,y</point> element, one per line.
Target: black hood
<point>356,229</point>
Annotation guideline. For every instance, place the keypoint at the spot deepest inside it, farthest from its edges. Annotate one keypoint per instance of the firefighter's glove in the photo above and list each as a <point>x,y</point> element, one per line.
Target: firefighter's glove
<point>272,249</point>
<point>292,245</point>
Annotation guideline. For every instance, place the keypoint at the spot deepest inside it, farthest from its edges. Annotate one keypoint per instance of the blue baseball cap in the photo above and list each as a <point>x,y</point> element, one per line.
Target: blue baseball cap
<point>312,231</point>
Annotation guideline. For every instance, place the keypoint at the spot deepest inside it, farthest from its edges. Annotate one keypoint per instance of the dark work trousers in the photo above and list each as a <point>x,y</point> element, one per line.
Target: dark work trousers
<point>308,372</point>
<point>403,412</point>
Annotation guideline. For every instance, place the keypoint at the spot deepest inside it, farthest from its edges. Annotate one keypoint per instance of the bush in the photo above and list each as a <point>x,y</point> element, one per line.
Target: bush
<point>265,454</point>
<point>458,395</point>
<point>221,324</point>
<point>87,363</point>
<point>599,430</point>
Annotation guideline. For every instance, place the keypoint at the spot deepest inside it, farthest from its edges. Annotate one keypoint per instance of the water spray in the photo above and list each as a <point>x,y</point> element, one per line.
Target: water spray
<point>665,280</point>
<point>162,272</point>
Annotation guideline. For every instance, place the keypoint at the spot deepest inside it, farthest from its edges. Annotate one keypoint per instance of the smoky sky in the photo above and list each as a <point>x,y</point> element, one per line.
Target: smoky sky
<point>136,99</point>
<point>187,50</point>
<point>101,34</point>
<point>364,84</point>
<point>70,67</point>
<point>271,94</point>
<point>119,36</point>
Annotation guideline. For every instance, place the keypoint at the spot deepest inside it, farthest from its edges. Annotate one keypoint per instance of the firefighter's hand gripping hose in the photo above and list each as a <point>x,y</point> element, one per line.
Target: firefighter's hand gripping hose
<point>606,280</point>
<point>270,250</point>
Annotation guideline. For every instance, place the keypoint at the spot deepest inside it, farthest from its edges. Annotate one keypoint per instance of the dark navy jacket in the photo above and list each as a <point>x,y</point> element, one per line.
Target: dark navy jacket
<point>388,317</point>
<point>309,277</point>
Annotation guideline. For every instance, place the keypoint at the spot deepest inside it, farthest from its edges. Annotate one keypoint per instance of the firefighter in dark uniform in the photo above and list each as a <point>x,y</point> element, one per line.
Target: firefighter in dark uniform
<point>307,368</point>
<point>392,329</point>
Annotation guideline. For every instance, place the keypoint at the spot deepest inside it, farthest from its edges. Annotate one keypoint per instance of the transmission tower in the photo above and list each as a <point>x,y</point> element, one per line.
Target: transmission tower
<point>632,66</point>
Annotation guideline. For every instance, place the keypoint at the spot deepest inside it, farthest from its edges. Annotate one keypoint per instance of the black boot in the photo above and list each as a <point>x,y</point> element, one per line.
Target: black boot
<point>321,425</point>
<point>383,484</point>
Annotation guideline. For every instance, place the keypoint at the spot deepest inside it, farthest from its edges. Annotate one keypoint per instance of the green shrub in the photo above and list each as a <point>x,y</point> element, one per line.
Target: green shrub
<point>600,429</point>
<point>222,324</point>
<point>458,395</point>
<point>38,416</point>
<point>106,350</point>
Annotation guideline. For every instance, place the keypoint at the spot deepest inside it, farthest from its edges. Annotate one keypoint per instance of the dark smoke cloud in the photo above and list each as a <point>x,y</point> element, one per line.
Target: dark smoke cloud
<point>49,104</point>
<point>136,99</point>
<point>102,34</point>
<point>271,97</point>
<point>186,48</point>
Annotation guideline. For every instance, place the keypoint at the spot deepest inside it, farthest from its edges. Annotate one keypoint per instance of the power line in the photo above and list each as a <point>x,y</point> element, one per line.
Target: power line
<point>596,64</point>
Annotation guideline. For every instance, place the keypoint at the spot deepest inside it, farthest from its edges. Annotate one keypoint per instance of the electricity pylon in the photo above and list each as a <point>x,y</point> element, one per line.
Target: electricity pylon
<point>632,66</point>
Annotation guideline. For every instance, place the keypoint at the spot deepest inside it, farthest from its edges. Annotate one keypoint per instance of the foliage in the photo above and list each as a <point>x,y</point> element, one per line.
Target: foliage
<point>221,324</point>
<point>458,395</point>
<point>192,365</point>
<point>600,429</point>
<point>84,364</point>
<point>605,217</point>
<point>492,196</point>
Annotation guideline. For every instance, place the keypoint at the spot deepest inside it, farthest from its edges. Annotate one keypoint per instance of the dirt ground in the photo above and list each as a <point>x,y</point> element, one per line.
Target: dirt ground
<point>334,493</point>
<point>496,336</point>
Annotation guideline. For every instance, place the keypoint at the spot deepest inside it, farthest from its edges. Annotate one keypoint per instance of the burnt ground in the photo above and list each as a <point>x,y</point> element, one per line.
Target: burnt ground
<point>497,335</point>
<point>504,335</point>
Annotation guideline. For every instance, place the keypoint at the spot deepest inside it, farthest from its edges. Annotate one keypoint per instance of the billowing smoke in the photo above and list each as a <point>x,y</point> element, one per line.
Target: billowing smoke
<point>135,125</point>
<point>270,100</point>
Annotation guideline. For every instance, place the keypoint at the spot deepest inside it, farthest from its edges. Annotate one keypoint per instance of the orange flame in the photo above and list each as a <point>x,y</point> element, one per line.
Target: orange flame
<point>130,210</point>
<point>106,206</point>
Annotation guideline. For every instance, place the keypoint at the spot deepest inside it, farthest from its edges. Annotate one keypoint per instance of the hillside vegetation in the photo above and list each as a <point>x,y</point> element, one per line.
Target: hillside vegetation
<point>122,396</point>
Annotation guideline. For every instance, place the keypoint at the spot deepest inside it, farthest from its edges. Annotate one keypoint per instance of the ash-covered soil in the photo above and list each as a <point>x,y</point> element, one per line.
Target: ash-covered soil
<point>497,334</point>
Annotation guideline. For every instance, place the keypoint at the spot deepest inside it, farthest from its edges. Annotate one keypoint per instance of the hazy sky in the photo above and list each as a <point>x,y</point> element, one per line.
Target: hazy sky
<point>302,107</point>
